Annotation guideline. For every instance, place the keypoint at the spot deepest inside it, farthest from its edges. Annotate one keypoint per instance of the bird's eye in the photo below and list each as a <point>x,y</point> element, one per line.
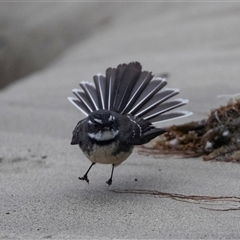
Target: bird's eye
<point>94,124</point>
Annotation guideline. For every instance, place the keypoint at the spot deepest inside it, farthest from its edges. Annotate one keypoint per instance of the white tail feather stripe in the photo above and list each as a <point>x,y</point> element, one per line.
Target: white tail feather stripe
<point>84,86</point>
<point>71,99</point>
<point>78,92</point>
<point>137,90</point>
<point>181,103</point>
<point>185,114</point>
<point>171,94</point>
<point>153,92</point>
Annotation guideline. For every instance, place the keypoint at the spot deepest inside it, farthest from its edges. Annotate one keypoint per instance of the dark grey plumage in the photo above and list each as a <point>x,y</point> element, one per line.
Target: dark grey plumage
<point>120,108</point>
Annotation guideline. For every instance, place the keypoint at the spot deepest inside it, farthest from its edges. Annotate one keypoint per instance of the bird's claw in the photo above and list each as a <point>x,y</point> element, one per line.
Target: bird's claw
<point>85,178</point>
<point>109,181</point>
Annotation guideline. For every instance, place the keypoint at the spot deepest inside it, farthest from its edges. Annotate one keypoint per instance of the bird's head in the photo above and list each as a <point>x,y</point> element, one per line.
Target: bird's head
<point>102,125</point>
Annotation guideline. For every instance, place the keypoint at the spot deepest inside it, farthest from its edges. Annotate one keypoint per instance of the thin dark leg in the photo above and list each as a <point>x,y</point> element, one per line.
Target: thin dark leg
<point>85,177</point>
<point>109,181</point>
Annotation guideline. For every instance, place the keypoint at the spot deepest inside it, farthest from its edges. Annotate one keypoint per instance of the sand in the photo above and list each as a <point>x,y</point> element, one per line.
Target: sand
<point>40,194</point>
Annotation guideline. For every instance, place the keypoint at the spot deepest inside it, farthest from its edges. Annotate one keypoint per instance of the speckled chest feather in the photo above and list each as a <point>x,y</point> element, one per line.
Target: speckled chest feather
<point>107,154</point>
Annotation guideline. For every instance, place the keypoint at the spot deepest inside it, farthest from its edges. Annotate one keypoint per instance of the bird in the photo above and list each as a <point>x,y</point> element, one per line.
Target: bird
<point>121,108</point>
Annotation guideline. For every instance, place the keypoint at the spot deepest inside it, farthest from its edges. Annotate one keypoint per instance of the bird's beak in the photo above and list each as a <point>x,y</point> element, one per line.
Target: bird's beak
<point>74,141</point>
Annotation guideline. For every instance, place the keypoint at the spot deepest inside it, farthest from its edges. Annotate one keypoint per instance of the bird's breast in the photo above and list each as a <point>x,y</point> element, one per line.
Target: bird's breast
<point>107,154</point>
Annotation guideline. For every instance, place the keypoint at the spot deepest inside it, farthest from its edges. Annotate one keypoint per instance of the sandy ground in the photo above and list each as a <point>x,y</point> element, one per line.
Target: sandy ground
<point>40,195</point>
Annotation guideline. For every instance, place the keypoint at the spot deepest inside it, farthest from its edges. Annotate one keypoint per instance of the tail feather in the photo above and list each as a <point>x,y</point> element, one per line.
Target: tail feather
<point>90,91</point>
<point>153,87</point>
<point>79,105</point>
<point>129,90</point>
<point>101,90</point>
<point>119,72</point>
<point>111,85</point>
<point>84,99</point>
<point>169,116</point>
<point>127,81</point>
<point>156,100</point>
<point>140,85</point>
<point>165,107</point>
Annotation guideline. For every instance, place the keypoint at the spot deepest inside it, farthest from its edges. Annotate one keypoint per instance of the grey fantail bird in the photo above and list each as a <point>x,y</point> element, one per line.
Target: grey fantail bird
<point>121,108</point>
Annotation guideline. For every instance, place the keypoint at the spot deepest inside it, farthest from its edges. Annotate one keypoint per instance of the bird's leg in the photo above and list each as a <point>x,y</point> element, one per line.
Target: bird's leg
<point>109,181</point>
<point>85,177</point>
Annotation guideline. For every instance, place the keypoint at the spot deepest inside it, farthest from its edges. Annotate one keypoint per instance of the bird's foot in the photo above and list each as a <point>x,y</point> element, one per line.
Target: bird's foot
<point>85,178</point>
<point>109,181</point>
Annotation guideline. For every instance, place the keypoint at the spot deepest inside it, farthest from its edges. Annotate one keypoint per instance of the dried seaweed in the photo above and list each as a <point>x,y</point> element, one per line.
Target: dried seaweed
<point>217,137</point>
<point>221,203</point>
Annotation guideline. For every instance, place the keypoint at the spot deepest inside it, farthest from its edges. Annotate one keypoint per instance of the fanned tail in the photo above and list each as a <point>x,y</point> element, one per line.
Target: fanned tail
<point>129,90</point>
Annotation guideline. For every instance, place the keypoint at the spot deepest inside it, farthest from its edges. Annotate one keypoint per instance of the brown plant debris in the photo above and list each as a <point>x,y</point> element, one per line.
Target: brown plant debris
<point>217,137</point>
<point>221,203</point>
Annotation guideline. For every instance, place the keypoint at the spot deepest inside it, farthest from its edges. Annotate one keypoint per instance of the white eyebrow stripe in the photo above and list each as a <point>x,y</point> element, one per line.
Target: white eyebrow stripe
<point>98,120</point>
<point>90,122</point>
